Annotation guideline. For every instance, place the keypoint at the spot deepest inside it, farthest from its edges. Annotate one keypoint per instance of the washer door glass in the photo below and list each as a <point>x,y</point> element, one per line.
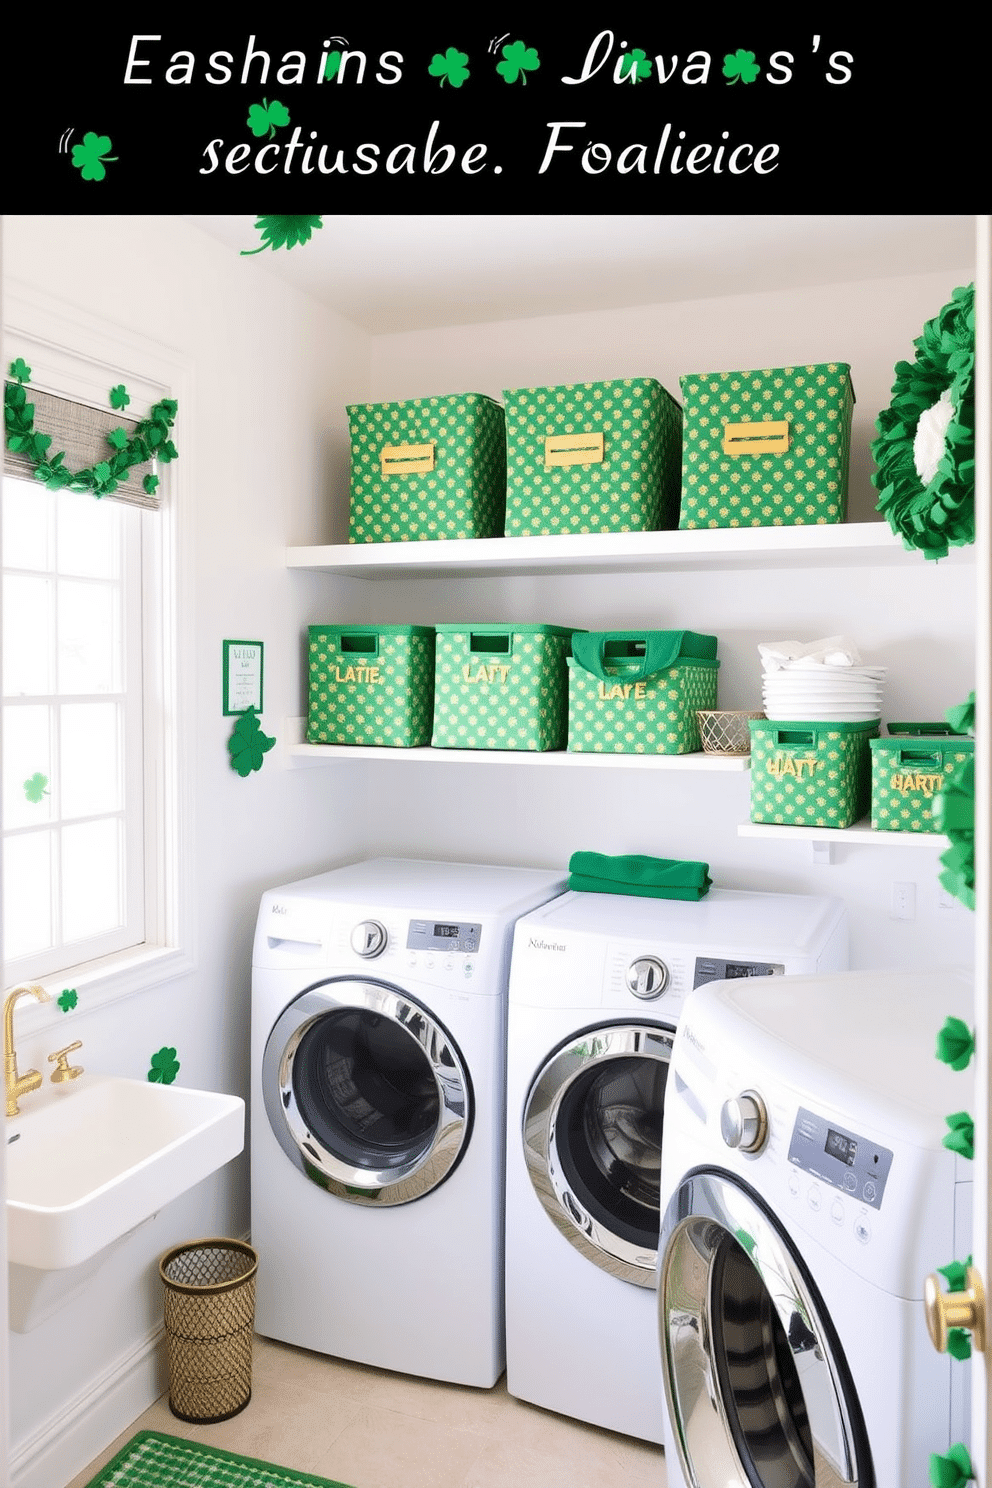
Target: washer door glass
<point>592,1143</point>
<point>759,1393</point>
<point>366,1092</point>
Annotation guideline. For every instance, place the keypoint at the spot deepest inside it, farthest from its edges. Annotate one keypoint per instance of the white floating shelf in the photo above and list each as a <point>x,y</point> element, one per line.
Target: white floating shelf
<point>308,755</point>
<point>858,544</point>
<point>861,832</point>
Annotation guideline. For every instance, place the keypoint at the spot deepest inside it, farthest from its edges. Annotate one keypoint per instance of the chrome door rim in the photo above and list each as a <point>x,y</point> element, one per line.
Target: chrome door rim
<point>707,1209</point>
<point>586,1050</point>
<point>364,1185</point>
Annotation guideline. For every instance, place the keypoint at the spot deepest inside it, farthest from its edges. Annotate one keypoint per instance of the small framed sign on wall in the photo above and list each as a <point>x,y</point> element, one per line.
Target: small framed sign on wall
<point>243,665</point>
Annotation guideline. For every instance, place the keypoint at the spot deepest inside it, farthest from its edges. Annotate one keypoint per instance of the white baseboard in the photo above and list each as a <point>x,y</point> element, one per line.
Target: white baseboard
<point>83,1428</point>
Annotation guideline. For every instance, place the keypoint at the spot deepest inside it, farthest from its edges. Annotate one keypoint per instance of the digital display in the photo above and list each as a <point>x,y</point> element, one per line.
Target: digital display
<point>843,1148</point>
<point>446,932</point>
<point>744,969</point>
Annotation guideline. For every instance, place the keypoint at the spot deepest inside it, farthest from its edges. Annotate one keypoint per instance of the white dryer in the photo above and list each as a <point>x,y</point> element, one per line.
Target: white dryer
<point>807,1195</point>
<point>377,1123</point>
<point>596,989</point>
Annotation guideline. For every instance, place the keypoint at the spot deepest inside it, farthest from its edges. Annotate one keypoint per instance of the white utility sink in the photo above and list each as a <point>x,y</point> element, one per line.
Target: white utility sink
<point>88,1164</point>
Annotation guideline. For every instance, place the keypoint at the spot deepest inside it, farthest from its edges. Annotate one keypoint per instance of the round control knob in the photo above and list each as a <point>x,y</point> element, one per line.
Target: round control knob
<point>744,1122</point>
<point>647,977</point>
<point>369,939</point>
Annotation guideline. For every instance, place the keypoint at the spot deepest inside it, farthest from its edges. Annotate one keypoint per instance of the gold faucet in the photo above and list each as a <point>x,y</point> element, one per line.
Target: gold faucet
<point>17,1085</point>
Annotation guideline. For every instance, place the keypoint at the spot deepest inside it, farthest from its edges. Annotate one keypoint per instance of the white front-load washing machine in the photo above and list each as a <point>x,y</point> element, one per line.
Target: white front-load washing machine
<point>807,1194</point>
<point>377,1123</point>
<point>596,988</point>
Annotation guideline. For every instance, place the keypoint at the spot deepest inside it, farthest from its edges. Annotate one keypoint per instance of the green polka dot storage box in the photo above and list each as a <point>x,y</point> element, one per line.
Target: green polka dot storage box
<point>501,687</point>
<point>371,684</point>
<point>767,448</point>
<point>592,457</point>
<point>636,692</point>
<point>907,773</point>
<point>810,774</point>
<point>427,468</point>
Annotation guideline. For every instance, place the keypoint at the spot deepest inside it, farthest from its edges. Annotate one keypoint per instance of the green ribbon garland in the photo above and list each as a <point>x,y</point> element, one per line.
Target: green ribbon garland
<point>953,812</point>
<point>961,1137</point>
<point>953,1469</point>
<point>955,1044</point>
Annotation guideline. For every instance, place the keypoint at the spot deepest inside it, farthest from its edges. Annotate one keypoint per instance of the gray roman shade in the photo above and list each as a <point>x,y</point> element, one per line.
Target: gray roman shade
<point>82,432</point>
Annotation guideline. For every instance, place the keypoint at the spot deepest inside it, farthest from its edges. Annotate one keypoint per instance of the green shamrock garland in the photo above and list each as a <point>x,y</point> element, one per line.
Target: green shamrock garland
<point>955,1044</point>
<point>150,440</point>
<point>248,745</point>
<point>925,451</point>
<point>953,812</point>
<point>953,1469</point>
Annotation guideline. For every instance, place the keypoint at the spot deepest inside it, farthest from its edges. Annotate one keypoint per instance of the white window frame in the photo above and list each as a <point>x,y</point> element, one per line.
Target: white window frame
<point>74,354</point>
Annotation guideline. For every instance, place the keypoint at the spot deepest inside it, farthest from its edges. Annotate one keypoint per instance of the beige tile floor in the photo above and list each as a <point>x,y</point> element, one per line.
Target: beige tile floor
<point>372,1429</point>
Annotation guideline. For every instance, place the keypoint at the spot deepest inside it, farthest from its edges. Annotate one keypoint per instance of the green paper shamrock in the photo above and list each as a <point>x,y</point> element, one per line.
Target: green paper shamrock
<point>266,118</point>
<point>958,1343</point>
<point>962,716</point>
<point>956,1273</point>
<point>953,812</point>
<point>283,232</point>
<point>453,66</point>
<point>636,65</point>
<point>67,1000</point>
<point>34,788</point>
<point>165,1067</point>
<point>248,744</point>
<point>20,370</point>
<point>518,61</point>
<point>741,66</point>
<point>961,1137</point>
<point>955,1044</point>
<point>953,1469</point>
<point>119,396</point>
<point>89,157</point>
<point>150,485</point>
<point>117,438</point>
<point>331,65</point>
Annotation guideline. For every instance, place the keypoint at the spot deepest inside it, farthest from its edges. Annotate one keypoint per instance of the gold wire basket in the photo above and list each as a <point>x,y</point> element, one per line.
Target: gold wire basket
<point>209,1324</point>
<point>723,731</point>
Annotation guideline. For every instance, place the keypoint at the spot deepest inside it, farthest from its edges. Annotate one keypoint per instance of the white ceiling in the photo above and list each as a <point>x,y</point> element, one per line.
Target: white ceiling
<point>399,273</point>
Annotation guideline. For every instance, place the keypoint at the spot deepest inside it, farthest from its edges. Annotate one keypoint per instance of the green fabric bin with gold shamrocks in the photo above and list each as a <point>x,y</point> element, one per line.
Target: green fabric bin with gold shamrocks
<point>810,774</point>
<point>908,773</point>
<point>501,686</point>
<point>592,457</point>
<point>636,692</point>
<point>371,684</point>
<point>427,468</point>
<point>767,448</point>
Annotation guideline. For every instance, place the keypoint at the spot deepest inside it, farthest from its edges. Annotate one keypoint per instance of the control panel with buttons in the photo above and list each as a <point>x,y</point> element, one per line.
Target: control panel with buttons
<point>853,1164</point>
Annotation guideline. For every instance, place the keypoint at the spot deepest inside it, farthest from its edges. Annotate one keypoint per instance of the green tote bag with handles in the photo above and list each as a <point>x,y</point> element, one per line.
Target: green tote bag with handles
<point>637,692</point>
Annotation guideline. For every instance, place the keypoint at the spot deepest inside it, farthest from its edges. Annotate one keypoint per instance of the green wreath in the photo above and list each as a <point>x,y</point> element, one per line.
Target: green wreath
<point>150,441</point>
<point>925,452</point>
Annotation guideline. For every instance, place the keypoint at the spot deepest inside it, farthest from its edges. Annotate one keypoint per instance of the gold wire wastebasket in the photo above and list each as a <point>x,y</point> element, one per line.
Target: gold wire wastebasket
<point>209,1323</point>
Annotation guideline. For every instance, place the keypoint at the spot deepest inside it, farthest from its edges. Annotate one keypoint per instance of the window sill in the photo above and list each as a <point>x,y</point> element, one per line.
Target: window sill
<point>107,980</point>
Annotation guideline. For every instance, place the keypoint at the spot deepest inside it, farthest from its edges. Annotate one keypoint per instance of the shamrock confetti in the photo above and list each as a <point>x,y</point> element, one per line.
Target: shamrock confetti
<point>266,118</point>
<point>741,66</point>
<point>119,396</point>
<point>453,66</point>
<point>67,1000</point>
<point>955,1044</point>
<point>952,1470</point>
<point>635,65</point>
<point>961,1137</point>
<point>20,370</point>
<point>89,157</point>
<point>283,232</point>
<point>248,744</point>
<point>35,788</point>
<point>518,61</point>
<point>165,1067</point>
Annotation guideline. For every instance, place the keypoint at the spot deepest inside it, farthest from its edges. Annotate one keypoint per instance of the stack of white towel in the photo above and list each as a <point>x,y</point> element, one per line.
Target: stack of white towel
<point>819,681</point>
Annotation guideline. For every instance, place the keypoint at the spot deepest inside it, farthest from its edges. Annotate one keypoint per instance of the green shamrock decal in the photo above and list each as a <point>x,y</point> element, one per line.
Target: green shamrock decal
<point>248,744</point>
<point>67,1000</point>
<point>266,118</point>
<point>283,232</point>
<point>955,1044</point>
<point>961,1137</point>
<point>20,370</point>
<point>34,788</point>
<point>165,1067</point>
<point>453,66</point>
<point>331,65</point>
<point>89,157</point>
<point>636,65</point>
<point>518,61</point>
<point>119,396</point>
<point>740,66</point>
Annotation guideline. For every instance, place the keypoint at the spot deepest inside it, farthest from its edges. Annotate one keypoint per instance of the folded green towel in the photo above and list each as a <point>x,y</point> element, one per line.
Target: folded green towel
<point>648,878</point>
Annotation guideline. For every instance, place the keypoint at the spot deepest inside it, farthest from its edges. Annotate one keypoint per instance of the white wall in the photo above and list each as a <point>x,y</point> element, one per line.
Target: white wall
<point>265,447</point>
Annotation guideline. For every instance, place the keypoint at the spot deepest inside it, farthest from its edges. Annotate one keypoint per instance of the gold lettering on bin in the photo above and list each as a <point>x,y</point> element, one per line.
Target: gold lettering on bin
<point>769,437</point>
<point>787,764</point>
<point>360,673</point>
<point>574,449</point>
<point>910,781</point>
<point>494,672</point>
<point>406,459</point>
<point>607,691</point>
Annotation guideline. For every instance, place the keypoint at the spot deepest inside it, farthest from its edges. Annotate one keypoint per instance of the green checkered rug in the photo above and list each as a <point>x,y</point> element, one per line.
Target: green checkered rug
<point>153,1460</point>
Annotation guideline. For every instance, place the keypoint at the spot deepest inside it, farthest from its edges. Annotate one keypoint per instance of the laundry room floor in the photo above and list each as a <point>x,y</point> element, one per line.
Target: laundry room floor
<point>372,1429</point>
